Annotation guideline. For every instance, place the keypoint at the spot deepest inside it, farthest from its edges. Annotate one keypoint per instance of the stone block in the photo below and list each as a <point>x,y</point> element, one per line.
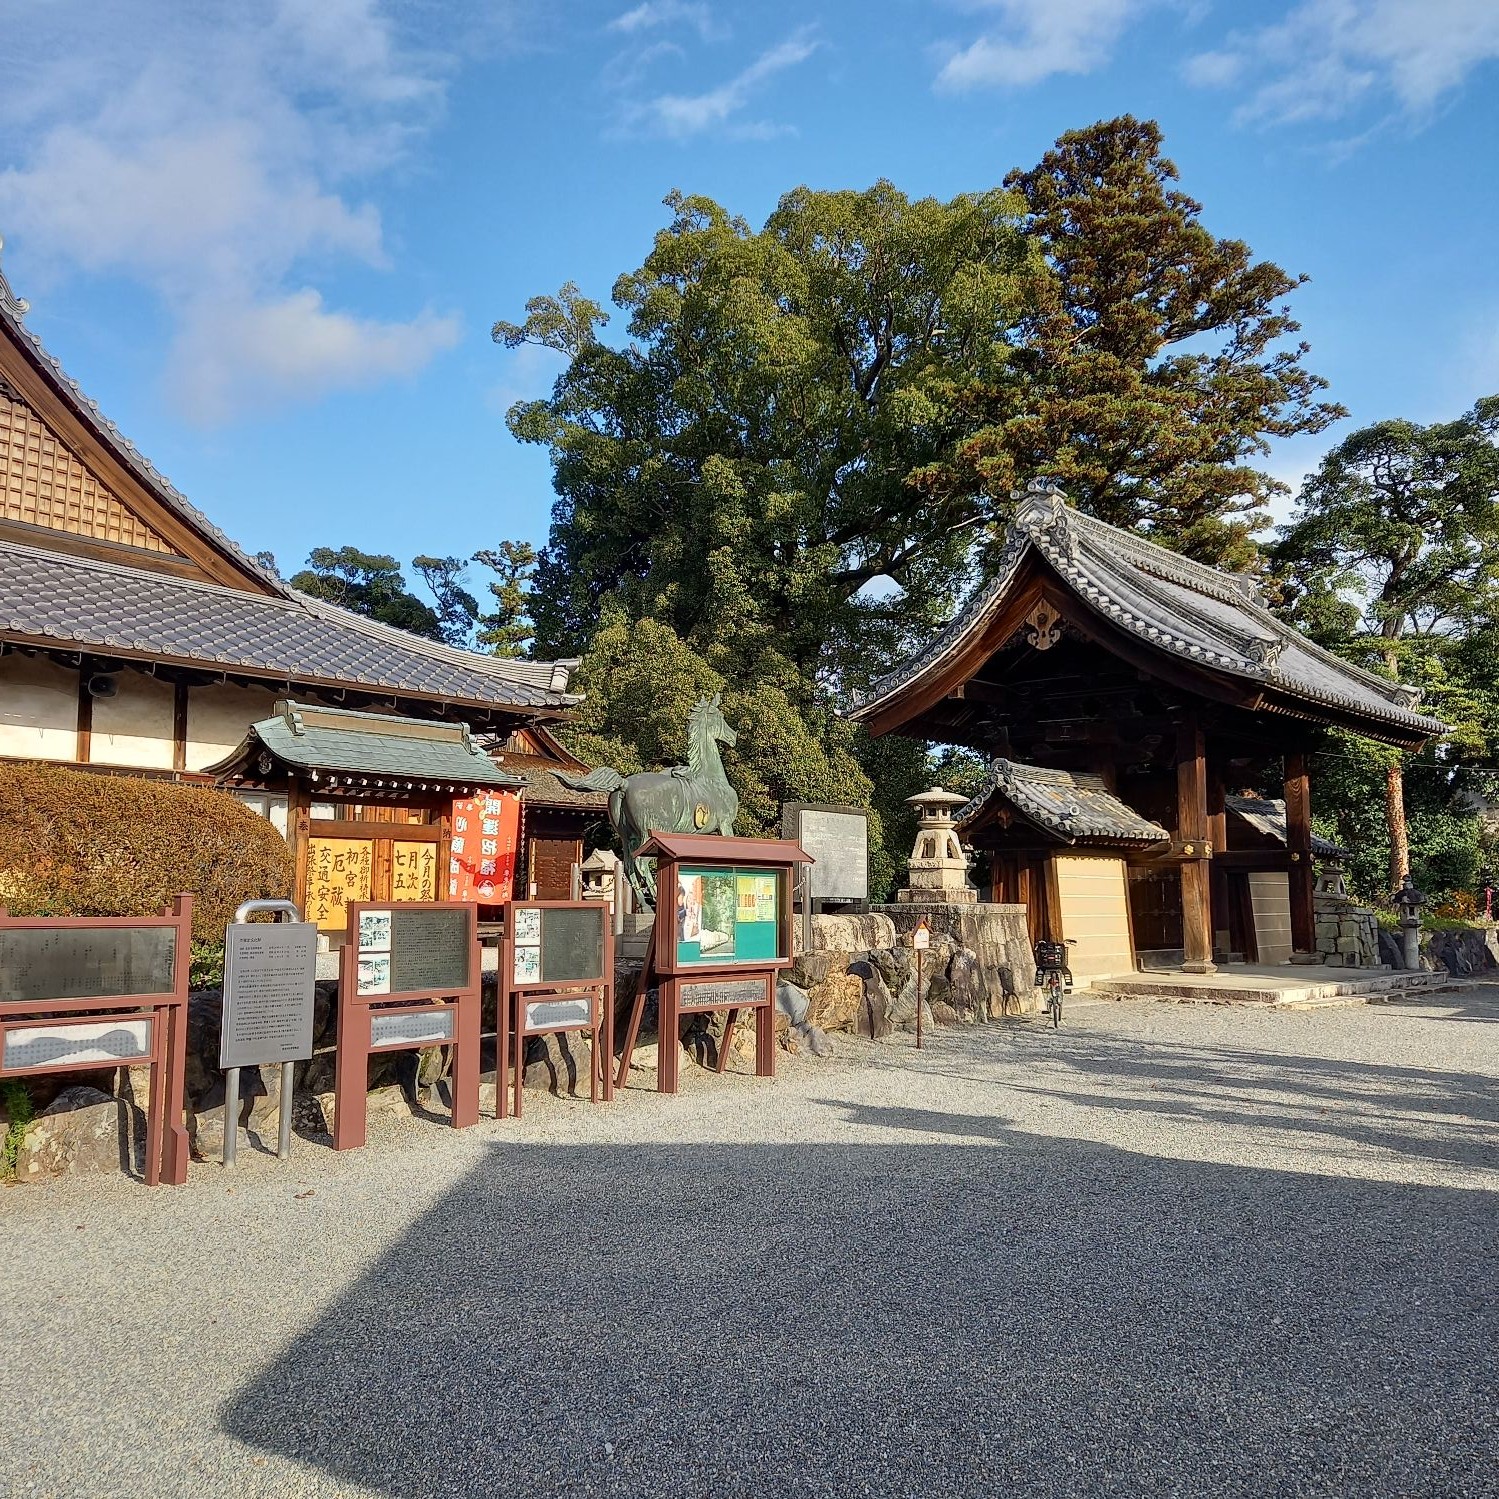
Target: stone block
<point>1347,945</point>
<point>83,1131</point>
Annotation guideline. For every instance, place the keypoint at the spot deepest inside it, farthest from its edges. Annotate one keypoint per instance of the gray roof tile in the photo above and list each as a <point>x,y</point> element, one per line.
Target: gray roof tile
<point>1179,606</point>
<point>1073,806</point>
<point>103,606</point>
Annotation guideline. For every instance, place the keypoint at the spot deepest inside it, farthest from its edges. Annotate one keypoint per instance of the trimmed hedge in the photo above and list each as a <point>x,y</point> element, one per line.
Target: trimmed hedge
<point>77,844</point>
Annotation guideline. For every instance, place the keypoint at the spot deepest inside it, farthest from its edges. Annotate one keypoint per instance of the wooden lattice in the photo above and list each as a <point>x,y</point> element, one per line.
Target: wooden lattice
<point>43,483</point>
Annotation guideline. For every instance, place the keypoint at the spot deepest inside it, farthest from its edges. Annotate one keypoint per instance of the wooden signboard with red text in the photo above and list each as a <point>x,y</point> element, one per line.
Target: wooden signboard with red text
<point>408,978</point>
<point>96,992</point>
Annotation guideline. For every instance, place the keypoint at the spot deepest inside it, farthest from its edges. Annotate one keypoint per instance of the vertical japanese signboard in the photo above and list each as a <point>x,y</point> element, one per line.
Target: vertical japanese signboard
<point>486,834</point>
<point>340,871</point>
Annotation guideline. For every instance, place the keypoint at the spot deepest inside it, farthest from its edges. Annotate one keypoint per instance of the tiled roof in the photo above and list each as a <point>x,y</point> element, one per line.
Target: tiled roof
<point>12,311</point>
<point>1072,806</point>
<point>78,602</point>
<point>1268,816</point>
<point>1213,619</point>
<point>543,789</point>
<point>341,741</point>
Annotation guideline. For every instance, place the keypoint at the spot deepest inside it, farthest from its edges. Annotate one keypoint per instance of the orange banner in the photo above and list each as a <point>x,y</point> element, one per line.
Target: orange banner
<point>486,834</point>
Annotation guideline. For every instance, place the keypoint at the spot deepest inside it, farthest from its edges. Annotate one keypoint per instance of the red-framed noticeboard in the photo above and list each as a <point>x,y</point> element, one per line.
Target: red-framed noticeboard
<point>556,974</point>
<point>722,934</point>
<point>408,977</point>
<point>89,992</point>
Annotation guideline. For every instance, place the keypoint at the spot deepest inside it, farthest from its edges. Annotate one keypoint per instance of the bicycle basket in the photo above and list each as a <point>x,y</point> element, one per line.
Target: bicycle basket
<point>1051,955</point>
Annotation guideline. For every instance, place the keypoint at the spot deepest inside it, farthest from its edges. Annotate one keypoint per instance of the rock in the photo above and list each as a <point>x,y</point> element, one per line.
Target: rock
<point>389,1102</point>
<point>849,934</point>
<point>83,1131</point>
<point>558,1062</point>
<point>794,1006</point>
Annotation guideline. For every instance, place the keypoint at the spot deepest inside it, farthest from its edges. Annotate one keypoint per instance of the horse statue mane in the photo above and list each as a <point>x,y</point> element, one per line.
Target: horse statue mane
<point>691,798</point>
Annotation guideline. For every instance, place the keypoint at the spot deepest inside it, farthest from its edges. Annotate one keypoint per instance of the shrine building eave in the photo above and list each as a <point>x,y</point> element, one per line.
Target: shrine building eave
<point>1193,623</point>
<point>336,749</point>
<point>1070,808</point>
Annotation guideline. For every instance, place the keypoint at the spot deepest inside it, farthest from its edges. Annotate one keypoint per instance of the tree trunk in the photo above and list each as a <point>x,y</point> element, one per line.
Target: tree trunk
<point>1400,843</point>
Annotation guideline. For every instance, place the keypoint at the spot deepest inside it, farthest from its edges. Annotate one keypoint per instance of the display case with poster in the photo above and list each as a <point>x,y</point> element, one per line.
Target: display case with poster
<point>722,932</point>
<point>556,974</point>
<point>408,978</point>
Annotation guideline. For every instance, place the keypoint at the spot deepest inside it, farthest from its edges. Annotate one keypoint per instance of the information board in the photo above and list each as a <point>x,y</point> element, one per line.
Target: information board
<point>838,839</point>
<point>558,944</point>
<point>715,994</point>
<point>85,1043</point>
<point>486,833</point>
<point>405,951</point>
<point>728,915</point>
<point>41,963</point>
<point>410,1028</point>
<point>340,871</point>
<point>269,992</point>
<point>559,1014</point>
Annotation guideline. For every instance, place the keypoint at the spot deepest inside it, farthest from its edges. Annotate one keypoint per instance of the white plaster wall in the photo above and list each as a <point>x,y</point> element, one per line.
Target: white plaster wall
<point>271,805</point>
<point>38,709</point>
<point>1095,914</point>
<point>218,718</point>
<point>134,727</point>
<point>1270,899</point>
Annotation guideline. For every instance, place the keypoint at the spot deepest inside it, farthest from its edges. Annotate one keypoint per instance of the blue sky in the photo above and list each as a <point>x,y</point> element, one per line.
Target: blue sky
<point>270,238</point>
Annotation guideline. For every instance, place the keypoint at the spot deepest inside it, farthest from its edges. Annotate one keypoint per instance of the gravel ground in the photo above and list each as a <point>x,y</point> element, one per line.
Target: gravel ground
<point>1168,1250</point>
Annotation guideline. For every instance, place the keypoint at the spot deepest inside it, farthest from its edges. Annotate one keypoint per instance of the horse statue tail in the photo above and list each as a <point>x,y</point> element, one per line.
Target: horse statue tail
<point>602,779</point>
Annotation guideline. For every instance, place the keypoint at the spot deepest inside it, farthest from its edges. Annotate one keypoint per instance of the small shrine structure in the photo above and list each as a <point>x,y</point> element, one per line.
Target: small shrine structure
<point>1124,694</point>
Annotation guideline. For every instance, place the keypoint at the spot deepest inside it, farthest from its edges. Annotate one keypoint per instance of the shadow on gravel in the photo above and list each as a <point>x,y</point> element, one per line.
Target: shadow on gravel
<point>1009,1316</point>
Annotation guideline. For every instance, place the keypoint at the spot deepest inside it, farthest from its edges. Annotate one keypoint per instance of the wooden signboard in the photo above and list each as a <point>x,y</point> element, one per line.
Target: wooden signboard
<point>408,978</point>
<point>96,992</point>
<point>722,933</point>
<point>557,974</point>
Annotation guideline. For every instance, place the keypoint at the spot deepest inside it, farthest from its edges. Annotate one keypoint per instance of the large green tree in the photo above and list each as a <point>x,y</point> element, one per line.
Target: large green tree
<point>1392,560</point>
<point>1155,363</point>
<point>367,583</point>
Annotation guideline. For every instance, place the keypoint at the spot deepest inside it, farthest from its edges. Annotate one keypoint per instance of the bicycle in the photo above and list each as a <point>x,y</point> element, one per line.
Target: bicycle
<point>1053,975</point>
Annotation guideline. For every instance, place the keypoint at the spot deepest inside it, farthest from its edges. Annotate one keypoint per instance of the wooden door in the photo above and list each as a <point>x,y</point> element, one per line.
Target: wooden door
<point>1155,904</point>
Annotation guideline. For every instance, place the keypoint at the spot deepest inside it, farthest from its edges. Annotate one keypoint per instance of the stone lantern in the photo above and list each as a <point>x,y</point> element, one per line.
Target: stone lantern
<point>598,871</point>
<point>938,871</point>
<point>1408,901</point>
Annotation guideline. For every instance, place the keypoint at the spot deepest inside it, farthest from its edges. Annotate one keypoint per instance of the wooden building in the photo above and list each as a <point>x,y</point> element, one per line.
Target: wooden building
<point>137,638</point>
<point>1125,694</point>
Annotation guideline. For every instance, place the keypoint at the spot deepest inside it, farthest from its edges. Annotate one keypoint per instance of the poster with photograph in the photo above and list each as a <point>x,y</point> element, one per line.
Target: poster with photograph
<point>374,973</point>
<point>374,931</point>
<point>527,925</point>
<point>527,966</point>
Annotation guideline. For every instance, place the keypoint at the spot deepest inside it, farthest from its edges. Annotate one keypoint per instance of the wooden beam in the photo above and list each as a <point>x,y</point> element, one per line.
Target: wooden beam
<point>179,725</point>
<point>1299,846</point>
<point>1192,828</point>
<point>85,747</point>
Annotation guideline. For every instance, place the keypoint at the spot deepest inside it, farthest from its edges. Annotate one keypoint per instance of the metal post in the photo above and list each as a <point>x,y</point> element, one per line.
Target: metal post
<point>231,1114</point>
<point>805,876</point>
<point>249,908</point>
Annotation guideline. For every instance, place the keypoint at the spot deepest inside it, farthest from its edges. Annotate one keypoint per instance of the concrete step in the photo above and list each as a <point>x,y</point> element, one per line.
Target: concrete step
<point>1225,988</point>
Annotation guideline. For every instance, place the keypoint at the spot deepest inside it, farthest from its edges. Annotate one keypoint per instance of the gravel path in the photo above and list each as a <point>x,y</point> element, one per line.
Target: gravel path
<point>1166,1250</point>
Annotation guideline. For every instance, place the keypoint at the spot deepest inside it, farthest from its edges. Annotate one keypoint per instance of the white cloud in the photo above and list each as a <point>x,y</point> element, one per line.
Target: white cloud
<point>221,156</point>
<point>230,360</point>
<point>654,13</point>
<point>1327,58</point>
<point>1031,40</point>
<point>682,115</point>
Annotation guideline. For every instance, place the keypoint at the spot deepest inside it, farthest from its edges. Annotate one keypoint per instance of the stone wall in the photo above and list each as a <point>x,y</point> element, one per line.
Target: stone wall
<point>1347,934</point>
<point>861,972</point>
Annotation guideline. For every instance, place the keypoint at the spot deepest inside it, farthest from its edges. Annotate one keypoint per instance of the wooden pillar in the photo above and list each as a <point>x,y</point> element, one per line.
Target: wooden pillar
<point>1192,832</point>
<point>179,726</point>
<point>85,749</point>
<point>1218,841</point>
<point>299,831</point>
<point>1299,845</point>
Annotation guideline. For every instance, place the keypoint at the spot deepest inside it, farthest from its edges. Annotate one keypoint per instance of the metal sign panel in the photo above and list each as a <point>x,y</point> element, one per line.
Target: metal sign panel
<point>81,1044</point>
<point>572,944</point>
<point>412,1029</point>
<point>269,974</point>
<point>430,950</point>
<point>42,963</point>
<point>838,839</point>
<point>735,993</point>
<point>557,1014</point>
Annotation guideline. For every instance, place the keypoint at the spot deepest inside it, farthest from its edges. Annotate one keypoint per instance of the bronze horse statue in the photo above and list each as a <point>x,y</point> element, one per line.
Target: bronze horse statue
<point>691,798</point>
